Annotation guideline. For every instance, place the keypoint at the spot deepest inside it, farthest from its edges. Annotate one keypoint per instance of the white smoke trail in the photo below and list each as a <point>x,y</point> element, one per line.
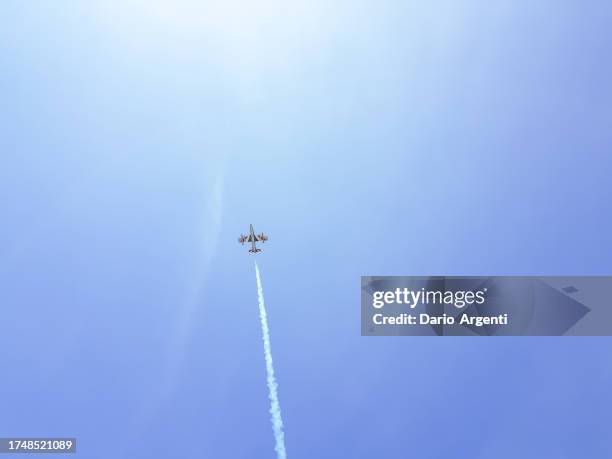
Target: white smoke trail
<point>275,410</point>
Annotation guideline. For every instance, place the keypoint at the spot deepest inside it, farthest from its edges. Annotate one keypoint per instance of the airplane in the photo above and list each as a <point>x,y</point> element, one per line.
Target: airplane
<point>253,238</point>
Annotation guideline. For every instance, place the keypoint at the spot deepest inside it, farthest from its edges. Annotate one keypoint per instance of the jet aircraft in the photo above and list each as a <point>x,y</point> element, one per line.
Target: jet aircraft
<point>253,238</point>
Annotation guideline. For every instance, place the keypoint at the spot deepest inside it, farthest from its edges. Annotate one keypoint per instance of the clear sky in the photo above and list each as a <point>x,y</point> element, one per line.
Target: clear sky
<point>138,139</point>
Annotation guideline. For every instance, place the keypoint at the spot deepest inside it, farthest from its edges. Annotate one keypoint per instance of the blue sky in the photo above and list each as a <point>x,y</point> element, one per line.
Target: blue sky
<point>139,139</point>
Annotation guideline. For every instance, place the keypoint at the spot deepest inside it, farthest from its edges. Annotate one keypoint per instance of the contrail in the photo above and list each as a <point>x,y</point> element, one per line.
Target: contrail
<point>275,410</point>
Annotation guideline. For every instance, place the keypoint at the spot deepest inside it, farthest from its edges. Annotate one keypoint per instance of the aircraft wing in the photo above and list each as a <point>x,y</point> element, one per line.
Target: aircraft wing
<point>252,238</point>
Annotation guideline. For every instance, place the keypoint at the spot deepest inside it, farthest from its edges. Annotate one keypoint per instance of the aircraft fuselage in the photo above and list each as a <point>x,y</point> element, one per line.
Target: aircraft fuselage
<point>253,248</point>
